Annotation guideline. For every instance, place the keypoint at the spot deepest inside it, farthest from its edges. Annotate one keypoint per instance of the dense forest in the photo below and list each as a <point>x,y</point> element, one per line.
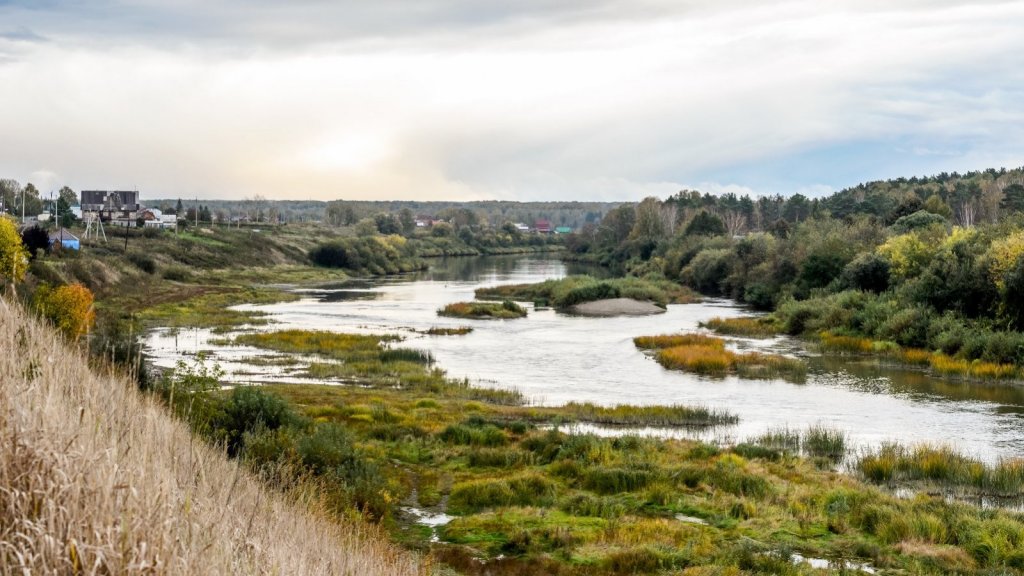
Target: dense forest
<point>934,263</point>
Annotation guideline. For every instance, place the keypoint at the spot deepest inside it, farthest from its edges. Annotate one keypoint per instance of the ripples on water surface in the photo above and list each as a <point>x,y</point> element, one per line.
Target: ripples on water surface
<point>554,358</point>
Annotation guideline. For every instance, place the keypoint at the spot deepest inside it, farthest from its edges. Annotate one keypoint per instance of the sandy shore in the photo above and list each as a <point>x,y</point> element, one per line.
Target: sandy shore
<point>616,307</point>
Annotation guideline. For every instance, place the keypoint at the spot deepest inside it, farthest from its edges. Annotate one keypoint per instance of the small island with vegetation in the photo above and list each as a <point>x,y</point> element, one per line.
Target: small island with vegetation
<point>589,296</point>
<point>506,310</point>
<point>707,355</point>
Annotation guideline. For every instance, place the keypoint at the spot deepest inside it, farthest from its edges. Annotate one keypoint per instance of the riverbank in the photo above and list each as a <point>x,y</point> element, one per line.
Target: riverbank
<point>98,477</point>
<point>503,489</point>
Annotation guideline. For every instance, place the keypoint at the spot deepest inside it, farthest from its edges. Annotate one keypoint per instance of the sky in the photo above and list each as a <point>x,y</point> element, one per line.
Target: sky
<point>526,100</point>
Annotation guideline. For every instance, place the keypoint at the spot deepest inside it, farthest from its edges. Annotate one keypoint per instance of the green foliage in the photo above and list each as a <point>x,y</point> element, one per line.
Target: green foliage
<point>247,409</point>
<point>917,220</point>
<point>370,254</point>
<point>483,310</point>
<point>705,224</point>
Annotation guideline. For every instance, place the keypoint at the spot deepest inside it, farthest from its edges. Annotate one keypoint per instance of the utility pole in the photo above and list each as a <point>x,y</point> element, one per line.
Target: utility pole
<point>197,213</point>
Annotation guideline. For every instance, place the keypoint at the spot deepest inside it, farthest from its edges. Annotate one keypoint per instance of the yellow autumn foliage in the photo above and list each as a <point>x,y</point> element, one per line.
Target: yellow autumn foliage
<point>69,307</point>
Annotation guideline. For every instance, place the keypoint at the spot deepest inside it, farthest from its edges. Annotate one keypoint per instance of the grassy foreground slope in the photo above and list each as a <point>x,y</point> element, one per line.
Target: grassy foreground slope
<point>97,478</point>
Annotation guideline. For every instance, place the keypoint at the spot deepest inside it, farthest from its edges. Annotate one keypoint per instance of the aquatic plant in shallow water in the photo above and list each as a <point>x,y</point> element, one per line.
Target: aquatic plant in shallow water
<point>707,355</point>
<point>483,310</point>
<point>757,327</point>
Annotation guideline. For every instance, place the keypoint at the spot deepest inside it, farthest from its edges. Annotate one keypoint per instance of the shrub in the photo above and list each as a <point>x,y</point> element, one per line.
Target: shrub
<point>248,408</point>
<point>35,240</point>
<point>524,490</point>
<point>69,307</point>
<point>143,262</point>
<point>868,272</point>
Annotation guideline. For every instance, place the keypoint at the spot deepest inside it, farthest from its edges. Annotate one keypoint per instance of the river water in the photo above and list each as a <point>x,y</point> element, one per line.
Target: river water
<point>555,358</point>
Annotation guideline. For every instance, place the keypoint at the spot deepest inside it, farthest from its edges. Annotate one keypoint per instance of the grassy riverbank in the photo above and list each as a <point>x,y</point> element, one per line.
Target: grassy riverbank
<point>98,478</point>
<point>530,496</point>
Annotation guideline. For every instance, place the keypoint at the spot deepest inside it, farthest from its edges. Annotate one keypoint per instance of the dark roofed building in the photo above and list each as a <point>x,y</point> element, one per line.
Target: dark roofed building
<point>110,200</point>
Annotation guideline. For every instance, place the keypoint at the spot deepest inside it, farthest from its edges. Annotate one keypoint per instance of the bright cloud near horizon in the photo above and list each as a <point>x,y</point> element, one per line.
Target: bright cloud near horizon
<point>529,100</point>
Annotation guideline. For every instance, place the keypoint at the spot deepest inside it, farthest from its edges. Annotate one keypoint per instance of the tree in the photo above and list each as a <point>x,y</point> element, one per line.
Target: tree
<point>408,221</point>
<point>69,307</point>
<point>35,239</point>
<point>68,195</point>
<point>705,224</point>
<point>179,207</point>
<point>1013,198</point>
<point>31,203</point>
<point>9,190</point>
<point>13,255</point>
<point>65,217</point>
<point>937,205</point>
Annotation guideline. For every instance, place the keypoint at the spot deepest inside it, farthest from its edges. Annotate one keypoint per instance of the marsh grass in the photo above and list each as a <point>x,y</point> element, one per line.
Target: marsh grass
<point>758,327</point>
<point>527,489</point>
<point>824,442</point>
<point>662,341</point>
<point>817,441</point>
<point>483,310</point>
<point>628,415</point>
<point>97,478</point>
<point>942,466</point>
<point>555,502</point>
<point>443,331</point>
<point>708,356</point>
<point>940,363</point>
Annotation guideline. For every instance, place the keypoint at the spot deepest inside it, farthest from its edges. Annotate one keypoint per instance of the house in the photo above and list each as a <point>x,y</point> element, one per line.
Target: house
<point>563,230</point>
<point>543,226</point>
<point>66,239</point>
<point>124,201</point>
<point>522,227</point>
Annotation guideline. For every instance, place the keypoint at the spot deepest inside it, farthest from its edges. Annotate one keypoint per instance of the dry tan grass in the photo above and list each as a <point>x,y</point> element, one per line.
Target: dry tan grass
<point>97,478</point>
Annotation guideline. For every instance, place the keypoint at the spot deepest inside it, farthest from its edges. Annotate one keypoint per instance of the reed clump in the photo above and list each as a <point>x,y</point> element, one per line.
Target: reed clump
<point>708,356</point>
<point>672,340</point>
<point>942,466</point>
<point>939,362</point>
<point>817,441</point>
<point>528,489</point>
<point>662,415</point>
<point>483,310</point>
<point>756,327</point>
<point>443,331</point>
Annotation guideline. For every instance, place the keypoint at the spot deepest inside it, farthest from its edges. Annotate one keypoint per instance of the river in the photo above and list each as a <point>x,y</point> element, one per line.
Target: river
<point>555,358</point>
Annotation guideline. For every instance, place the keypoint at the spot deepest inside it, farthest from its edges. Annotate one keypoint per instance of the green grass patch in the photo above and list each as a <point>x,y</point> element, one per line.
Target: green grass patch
<point>483,310</point>
<point>759,327</point>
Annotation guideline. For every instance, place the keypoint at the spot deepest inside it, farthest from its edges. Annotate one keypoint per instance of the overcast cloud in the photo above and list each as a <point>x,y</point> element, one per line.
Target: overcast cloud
<point>471,100</point>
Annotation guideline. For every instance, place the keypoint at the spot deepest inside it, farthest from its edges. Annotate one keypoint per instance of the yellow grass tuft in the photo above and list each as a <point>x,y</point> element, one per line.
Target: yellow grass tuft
<point>97,478</point>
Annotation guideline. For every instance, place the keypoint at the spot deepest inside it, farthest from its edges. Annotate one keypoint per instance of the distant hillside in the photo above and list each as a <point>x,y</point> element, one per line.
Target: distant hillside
<point>342,212</point>
<point>97,479</point>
